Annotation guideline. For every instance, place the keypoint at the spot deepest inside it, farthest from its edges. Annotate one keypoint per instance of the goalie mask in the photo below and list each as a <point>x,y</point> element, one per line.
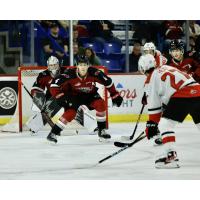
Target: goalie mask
<point>82,65</point>
<point>146,62</point>
<point>53,66</point>
<point>149,48</point>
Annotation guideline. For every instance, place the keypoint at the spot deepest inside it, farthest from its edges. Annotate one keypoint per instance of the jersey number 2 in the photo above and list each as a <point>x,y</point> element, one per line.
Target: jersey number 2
<point>175,85</point>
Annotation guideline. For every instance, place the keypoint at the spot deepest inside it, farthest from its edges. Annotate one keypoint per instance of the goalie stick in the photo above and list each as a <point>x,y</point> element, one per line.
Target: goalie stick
<point>46,117</point>
<point>139,138</point>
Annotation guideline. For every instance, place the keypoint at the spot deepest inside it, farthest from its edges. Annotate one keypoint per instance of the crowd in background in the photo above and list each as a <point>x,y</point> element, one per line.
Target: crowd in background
<point>99,41</point>
<point>101,32</point>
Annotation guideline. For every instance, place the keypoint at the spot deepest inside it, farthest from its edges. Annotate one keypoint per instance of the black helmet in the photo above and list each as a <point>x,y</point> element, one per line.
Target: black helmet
<point>176,44</point>
<point>82,59</point>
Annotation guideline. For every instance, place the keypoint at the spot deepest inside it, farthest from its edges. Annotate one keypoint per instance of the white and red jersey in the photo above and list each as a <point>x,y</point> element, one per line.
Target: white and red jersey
<point>160,59</point>
<point>167,82</point>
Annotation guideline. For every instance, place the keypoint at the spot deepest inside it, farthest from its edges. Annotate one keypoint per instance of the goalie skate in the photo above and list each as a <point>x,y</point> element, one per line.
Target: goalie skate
<point>103,136</point>
<point>168,162</point>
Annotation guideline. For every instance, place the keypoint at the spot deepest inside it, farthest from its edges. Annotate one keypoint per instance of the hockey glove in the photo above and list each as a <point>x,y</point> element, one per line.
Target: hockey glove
<point>144,99</point>
<point>151,129</point>
<point>117,100</point>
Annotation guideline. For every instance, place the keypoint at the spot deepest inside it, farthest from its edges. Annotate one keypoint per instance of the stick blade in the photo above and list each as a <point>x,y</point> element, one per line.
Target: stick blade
<point>130,142</point>
<point>120,144</point>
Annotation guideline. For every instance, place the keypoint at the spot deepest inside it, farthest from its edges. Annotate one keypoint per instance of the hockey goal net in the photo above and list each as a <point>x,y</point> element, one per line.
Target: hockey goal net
<point>26,78</point>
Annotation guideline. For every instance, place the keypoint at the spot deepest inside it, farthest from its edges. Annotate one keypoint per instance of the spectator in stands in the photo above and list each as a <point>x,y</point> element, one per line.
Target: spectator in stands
<point>173,29</point>
<point>146,30</point>
<point>55,45</point>
<point>46,24</point>
<point>93,59</point>
<point>192,46</point>
<point>194,29</point>
<point>65,24</point>
<point>82,29</point>
<point>101,31</point>
<point>194,51</point>
<point>134,57</point>
<point>76,38</point>
<point>77,51</point>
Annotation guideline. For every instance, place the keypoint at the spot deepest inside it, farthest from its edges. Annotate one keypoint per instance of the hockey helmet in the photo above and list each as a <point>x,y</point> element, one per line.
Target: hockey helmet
<point>53,65</point>
<point>149,47</point>
<point>146,62</point>
<point>176,44</point>
<point>82,59</point>
<point>176,49</point>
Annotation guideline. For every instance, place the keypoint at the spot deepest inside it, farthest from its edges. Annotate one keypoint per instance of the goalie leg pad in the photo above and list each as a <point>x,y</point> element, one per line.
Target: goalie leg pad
<point>35,123</point>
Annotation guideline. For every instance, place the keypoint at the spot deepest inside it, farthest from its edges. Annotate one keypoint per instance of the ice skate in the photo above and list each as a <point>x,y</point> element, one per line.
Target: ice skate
<point>167,162</point>
<point>52,137</point>
<point>103,136</point>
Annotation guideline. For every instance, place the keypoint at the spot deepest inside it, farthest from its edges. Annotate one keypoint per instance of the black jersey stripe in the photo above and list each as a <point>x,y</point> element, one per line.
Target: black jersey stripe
<point>153,109</point>
<point>168,132</point>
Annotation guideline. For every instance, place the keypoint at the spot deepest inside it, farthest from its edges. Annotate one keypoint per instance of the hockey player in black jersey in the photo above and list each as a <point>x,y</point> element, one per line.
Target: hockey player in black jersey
<point>77,86</point>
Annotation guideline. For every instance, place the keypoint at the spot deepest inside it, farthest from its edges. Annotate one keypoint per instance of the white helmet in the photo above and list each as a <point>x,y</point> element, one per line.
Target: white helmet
<point>53,65</point>
<point>146,62</point>
<point>149,46</point>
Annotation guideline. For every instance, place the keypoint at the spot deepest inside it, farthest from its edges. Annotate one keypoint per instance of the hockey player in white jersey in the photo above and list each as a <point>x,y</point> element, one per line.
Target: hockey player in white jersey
<point>150,48</point>
<point>171,96</point>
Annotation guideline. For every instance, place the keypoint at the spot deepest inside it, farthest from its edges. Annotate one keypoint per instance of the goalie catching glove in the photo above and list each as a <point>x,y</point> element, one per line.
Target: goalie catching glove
<point>151,129</point>
<point>116,99</point>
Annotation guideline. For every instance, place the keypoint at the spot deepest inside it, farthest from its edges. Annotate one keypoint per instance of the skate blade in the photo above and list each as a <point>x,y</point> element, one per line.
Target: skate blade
<point>51,142</point>
<point>172,165</point>
<point>103,140</point>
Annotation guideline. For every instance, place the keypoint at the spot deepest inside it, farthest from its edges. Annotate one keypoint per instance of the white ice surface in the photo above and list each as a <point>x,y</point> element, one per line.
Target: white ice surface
<point>23,156</point>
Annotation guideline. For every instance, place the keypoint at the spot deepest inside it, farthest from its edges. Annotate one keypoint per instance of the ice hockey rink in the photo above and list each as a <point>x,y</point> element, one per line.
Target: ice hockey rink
<point>73,158</point>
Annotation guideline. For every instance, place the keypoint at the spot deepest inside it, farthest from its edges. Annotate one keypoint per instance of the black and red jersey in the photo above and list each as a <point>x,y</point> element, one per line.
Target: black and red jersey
<point>43,81</point>
<point>71,83</point>
<point>188,65</point>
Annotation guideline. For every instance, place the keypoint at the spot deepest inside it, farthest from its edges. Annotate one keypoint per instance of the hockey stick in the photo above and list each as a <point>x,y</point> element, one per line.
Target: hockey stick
<point>139,138</point>
<point>46,117</point>
<point>136,125</point>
